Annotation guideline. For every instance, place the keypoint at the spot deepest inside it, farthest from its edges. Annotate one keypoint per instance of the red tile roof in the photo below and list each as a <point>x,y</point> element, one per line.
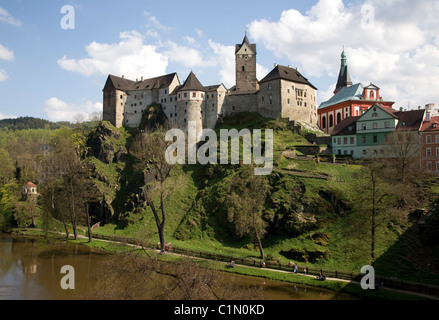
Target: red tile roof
<point>429,125</point>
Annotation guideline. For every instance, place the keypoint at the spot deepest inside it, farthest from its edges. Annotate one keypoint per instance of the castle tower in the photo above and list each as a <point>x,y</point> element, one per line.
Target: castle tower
<point>344,78</point>
<point>245,57</point>
<point>190,102</point>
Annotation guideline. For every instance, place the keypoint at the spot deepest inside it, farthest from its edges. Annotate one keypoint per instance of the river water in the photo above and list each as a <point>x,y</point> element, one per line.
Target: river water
<point>31,270</point>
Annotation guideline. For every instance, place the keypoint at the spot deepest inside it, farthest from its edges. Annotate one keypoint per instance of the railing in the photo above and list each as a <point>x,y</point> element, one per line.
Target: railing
<point>275,265</point>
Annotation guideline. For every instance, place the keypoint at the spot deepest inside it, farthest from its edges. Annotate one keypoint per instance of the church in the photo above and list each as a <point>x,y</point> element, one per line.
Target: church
<point>349,100</point>
<point>282,93</point>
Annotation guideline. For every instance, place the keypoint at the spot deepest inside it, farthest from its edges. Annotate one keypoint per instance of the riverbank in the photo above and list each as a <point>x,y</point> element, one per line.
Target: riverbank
<point>344,286</point>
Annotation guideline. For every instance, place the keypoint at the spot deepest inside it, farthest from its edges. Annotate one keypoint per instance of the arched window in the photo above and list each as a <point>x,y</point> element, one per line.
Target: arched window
<point>371,94</point>
<point>331,121</point>
<point>338,118</point>
<point>323,122</point>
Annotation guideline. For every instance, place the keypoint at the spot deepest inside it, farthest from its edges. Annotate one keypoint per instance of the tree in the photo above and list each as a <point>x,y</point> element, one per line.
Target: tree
<point>246,203</point>
<point>404,151</point>
<point>149,150</point>
<point>69,184</point>
<point>6,167</point>
<point>374,201</point>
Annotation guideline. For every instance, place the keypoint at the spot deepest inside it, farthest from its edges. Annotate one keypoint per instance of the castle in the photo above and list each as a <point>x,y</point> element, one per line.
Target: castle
<point>283,93</point>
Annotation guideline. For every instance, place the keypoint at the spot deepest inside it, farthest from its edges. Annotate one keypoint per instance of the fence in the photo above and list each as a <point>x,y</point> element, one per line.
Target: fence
<point>275,265</point>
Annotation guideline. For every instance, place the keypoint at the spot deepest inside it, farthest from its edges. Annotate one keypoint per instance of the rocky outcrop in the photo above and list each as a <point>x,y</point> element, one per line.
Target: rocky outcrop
<point>103,145</point>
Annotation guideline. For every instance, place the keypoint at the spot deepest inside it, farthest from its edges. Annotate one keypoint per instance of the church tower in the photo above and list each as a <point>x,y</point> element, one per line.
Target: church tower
<point>245,57</point>
<point>344,78</point>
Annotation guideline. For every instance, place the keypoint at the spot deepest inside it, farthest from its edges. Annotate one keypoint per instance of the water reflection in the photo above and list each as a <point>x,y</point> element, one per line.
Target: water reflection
<point>30,270</point>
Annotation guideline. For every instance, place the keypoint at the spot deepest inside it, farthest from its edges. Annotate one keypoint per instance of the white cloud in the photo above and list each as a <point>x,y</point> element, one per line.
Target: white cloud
<point>58,110</point>
<point>130,57</point>
<point>185,55</point>
<point>398,52</point>
<point>4,116</point>
<point>6,54</point>
<point>6,17</point>
<point>3,75</point>
<point>225,61</point>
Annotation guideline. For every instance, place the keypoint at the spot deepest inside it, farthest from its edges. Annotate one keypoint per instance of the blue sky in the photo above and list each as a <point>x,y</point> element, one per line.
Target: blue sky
<point>54,73</point>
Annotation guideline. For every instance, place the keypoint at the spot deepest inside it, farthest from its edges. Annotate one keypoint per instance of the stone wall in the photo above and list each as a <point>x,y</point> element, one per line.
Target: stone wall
<point>237,103</point>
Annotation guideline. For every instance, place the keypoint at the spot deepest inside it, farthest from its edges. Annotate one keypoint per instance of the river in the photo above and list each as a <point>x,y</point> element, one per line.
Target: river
<point>30,269</point>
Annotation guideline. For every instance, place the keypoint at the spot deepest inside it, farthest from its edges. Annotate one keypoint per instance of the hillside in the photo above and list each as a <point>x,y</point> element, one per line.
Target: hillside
<point>23,123</point>
<point>309,210</point>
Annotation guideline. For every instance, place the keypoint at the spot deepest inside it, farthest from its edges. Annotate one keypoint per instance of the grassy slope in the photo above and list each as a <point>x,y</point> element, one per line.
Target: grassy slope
<point>345,252</point>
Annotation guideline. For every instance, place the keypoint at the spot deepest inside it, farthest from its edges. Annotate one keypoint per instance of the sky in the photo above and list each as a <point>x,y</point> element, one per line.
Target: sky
<point>55,55</point>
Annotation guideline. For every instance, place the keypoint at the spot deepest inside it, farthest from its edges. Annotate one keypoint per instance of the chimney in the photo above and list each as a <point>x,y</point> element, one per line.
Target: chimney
<point>275,65</point>
<point>142,78</point>
<point>427,117</point>
<point>123,76</point>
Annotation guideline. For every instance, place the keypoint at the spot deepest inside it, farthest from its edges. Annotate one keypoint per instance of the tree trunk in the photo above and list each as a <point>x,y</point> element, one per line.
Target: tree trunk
<point>90,238</point>
<point>372,244</point>
<point>160,226</point>
<point>258,238</point>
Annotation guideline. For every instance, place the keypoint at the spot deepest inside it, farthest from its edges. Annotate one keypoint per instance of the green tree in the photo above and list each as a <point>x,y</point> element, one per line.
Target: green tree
<point>246,202</point>
<point>6,167</point>
<point>375,201</point>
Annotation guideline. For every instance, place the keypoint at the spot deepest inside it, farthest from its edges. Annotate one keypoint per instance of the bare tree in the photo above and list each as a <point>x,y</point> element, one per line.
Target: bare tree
<point>149,150</point>
<point>137,276</point>
<point>403,150</point>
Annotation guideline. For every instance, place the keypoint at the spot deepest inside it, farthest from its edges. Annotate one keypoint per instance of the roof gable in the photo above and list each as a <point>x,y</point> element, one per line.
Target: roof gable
<point>410,120</point>
<point>118,83</point>
<point>354,92</point>
<point>286,73</point>
<point>377,112</point>
<point>192,83</point>
<point>347,126</point>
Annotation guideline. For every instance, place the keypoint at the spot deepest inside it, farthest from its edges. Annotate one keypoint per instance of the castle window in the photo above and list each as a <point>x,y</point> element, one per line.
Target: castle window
<point>121,97</point>
<point>270,86</point>
<point>185,94</point>
<point>166,91</point>
<point>262,98</point>
<point>243,68</point>
<point>194,95</point>
<point>140,103</point>
<point>171,115</point>
<point>288,101</point>
<point>271,99</point>
<point>135,97</point>
<point>324,122</point>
